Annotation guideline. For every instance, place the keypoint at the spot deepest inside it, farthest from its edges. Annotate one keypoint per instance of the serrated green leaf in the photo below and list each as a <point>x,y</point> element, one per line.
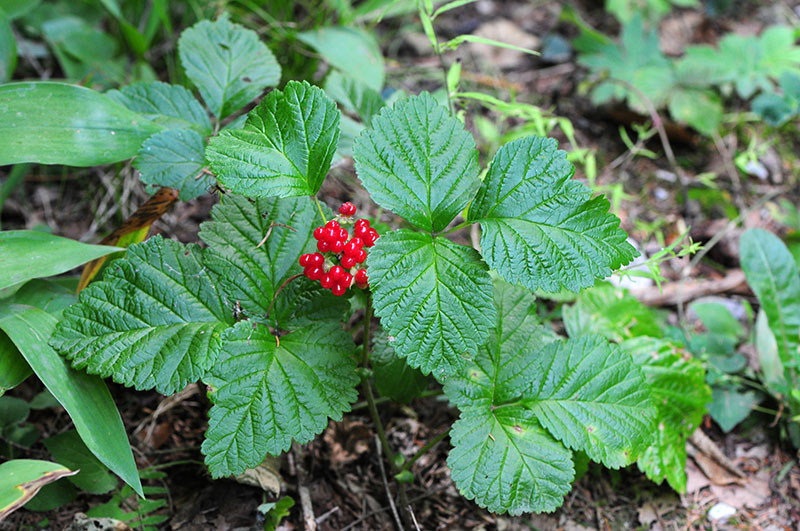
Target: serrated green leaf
<point>505,461</point>
<point>153,322</point>
<point>541,229</point>
<point>267,394</point>
<point>610,312</point>
<point>175,158</point>
<point>170,106</point>
<point>351,50</point>
<point>285,148</point>
<point>354,95</point>
<point>393,376</point>
<point>503,366</point>
<point>433,296</point>
<point>228,64</point>
<point>419,162</point>
<point>680,395</point>
<point>773,276</point>
<point>251,275</point>
<point>591,396</point>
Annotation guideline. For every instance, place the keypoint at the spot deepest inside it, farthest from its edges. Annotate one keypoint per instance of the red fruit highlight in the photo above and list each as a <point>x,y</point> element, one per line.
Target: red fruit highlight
<point>326,281</point>
<point>347,209</point>
<point>338,289</point>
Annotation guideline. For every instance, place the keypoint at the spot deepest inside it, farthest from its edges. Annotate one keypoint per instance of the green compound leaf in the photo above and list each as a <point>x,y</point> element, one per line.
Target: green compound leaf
<point>228,64</point>
<point>502,457</point>
<point>433,296</point>
<point>541,229</point>
<point>772,274</point>
<point>153,322</point>
<point>419,162</point>
<point>591,396</point>
<point>503,367</point>
<point>251,274</point>
<point>505,461</point>
<point>267,394</point>
<point>175,158</point>
<point>285,148</point>
<point>170,106</point>
<point>680,395</point>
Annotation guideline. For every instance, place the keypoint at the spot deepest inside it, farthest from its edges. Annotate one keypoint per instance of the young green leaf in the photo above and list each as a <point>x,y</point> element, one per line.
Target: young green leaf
<point>153,322</point>
<point>591,396</point>
<point>251,274</point>
<point>170,106</point>
<point>731,404</point>
<point>285,148</point>
<point>505,461</point>
<point>541,229</point>
<point>269,391</point>
<point>175,158</point>
<point>419,162</point>
<point>772,274</point>
<point>433,296</point>
<point>393,376</point>
<point>228,64</point>
<point>680,395</point>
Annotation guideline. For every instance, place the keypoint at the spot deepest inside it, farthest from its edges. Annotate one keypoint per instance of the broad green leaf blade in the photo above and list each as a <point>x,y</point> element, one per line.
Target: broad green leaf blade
<point>433,296</point>
<point>175,159</point>
<point>503,368</point>
<point>21,479</point>
<point>266,394</point>
<point>610,312</point>
<point>718,319</point>
<point>252,272</point>
<point>594,398</point>
<point>228,64</point>
<point>680,395</point>
<point>354,95</point>
<point>541,229</point>
<point>419,162</point>
<point>730,405</point>
<point>772,370</point>
<point>351,50</point>
<point>393,377</point>
<point>505,461</point>
<point>46,295</point>
<point>8,49</point>
<point>772,274</point>
<point>69,449</point>
<point>170,106</point>
<point>285,148</point>
<point>30,254</point>
<point>55,123</point>
<point>153,322</point>
<point>85,397</point>
<point>13,367</point>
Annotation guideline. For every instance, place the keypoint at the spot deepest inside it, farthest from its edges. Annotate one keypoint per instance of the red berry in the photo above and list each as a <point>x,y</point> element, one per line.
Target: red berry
<point>314,272</point>
<point>337,246</point>
<point>362,285</point>
<point>361,276</point>
<point>347,262</point>
<point>336,273</point>
<point>316,259</point>
<point>362,221</point>
<point>346,280</point>
<point>343,234</point>
<point>361,230</point>
<point>352,246</point>
<point>360,256</point>
<point>323,245</point>
<point>326,281</point>
<point>347,209</point>
<point>332,224</point>
<point>318,232</point>
<point>338,289</point>
<point>304,259</point>
<point>329,234</point>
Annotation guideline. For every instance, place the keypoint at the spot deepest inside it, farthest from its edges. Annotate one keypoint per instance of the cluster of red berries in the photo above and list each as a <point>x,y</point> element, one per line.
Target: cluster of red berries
<point>332,238</point>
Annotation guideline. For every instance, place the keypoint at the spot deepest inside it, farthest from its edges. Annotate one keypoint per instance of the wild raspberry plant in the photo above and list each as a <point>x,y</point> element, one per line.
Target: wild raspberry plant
<point>257,314</point>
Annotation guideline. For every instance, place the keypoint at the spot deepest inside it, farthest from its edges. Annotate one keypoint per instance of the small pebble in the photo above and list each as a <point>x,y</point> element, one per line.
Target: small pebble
<point>721,511</point>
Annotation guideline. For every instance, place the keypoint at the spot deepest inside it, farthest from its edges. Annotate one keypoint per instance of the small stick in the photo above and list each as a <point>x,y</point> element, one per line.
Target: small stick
<point>386,484</point>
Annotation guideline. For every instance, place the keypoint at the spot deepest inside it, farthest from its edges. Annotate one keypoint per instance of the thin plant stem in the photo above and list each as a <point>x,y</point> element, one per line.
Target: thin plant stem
<point>319,207</point>
<point>422,451</point>
<point>458,227</point>
<point>384,399</point>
